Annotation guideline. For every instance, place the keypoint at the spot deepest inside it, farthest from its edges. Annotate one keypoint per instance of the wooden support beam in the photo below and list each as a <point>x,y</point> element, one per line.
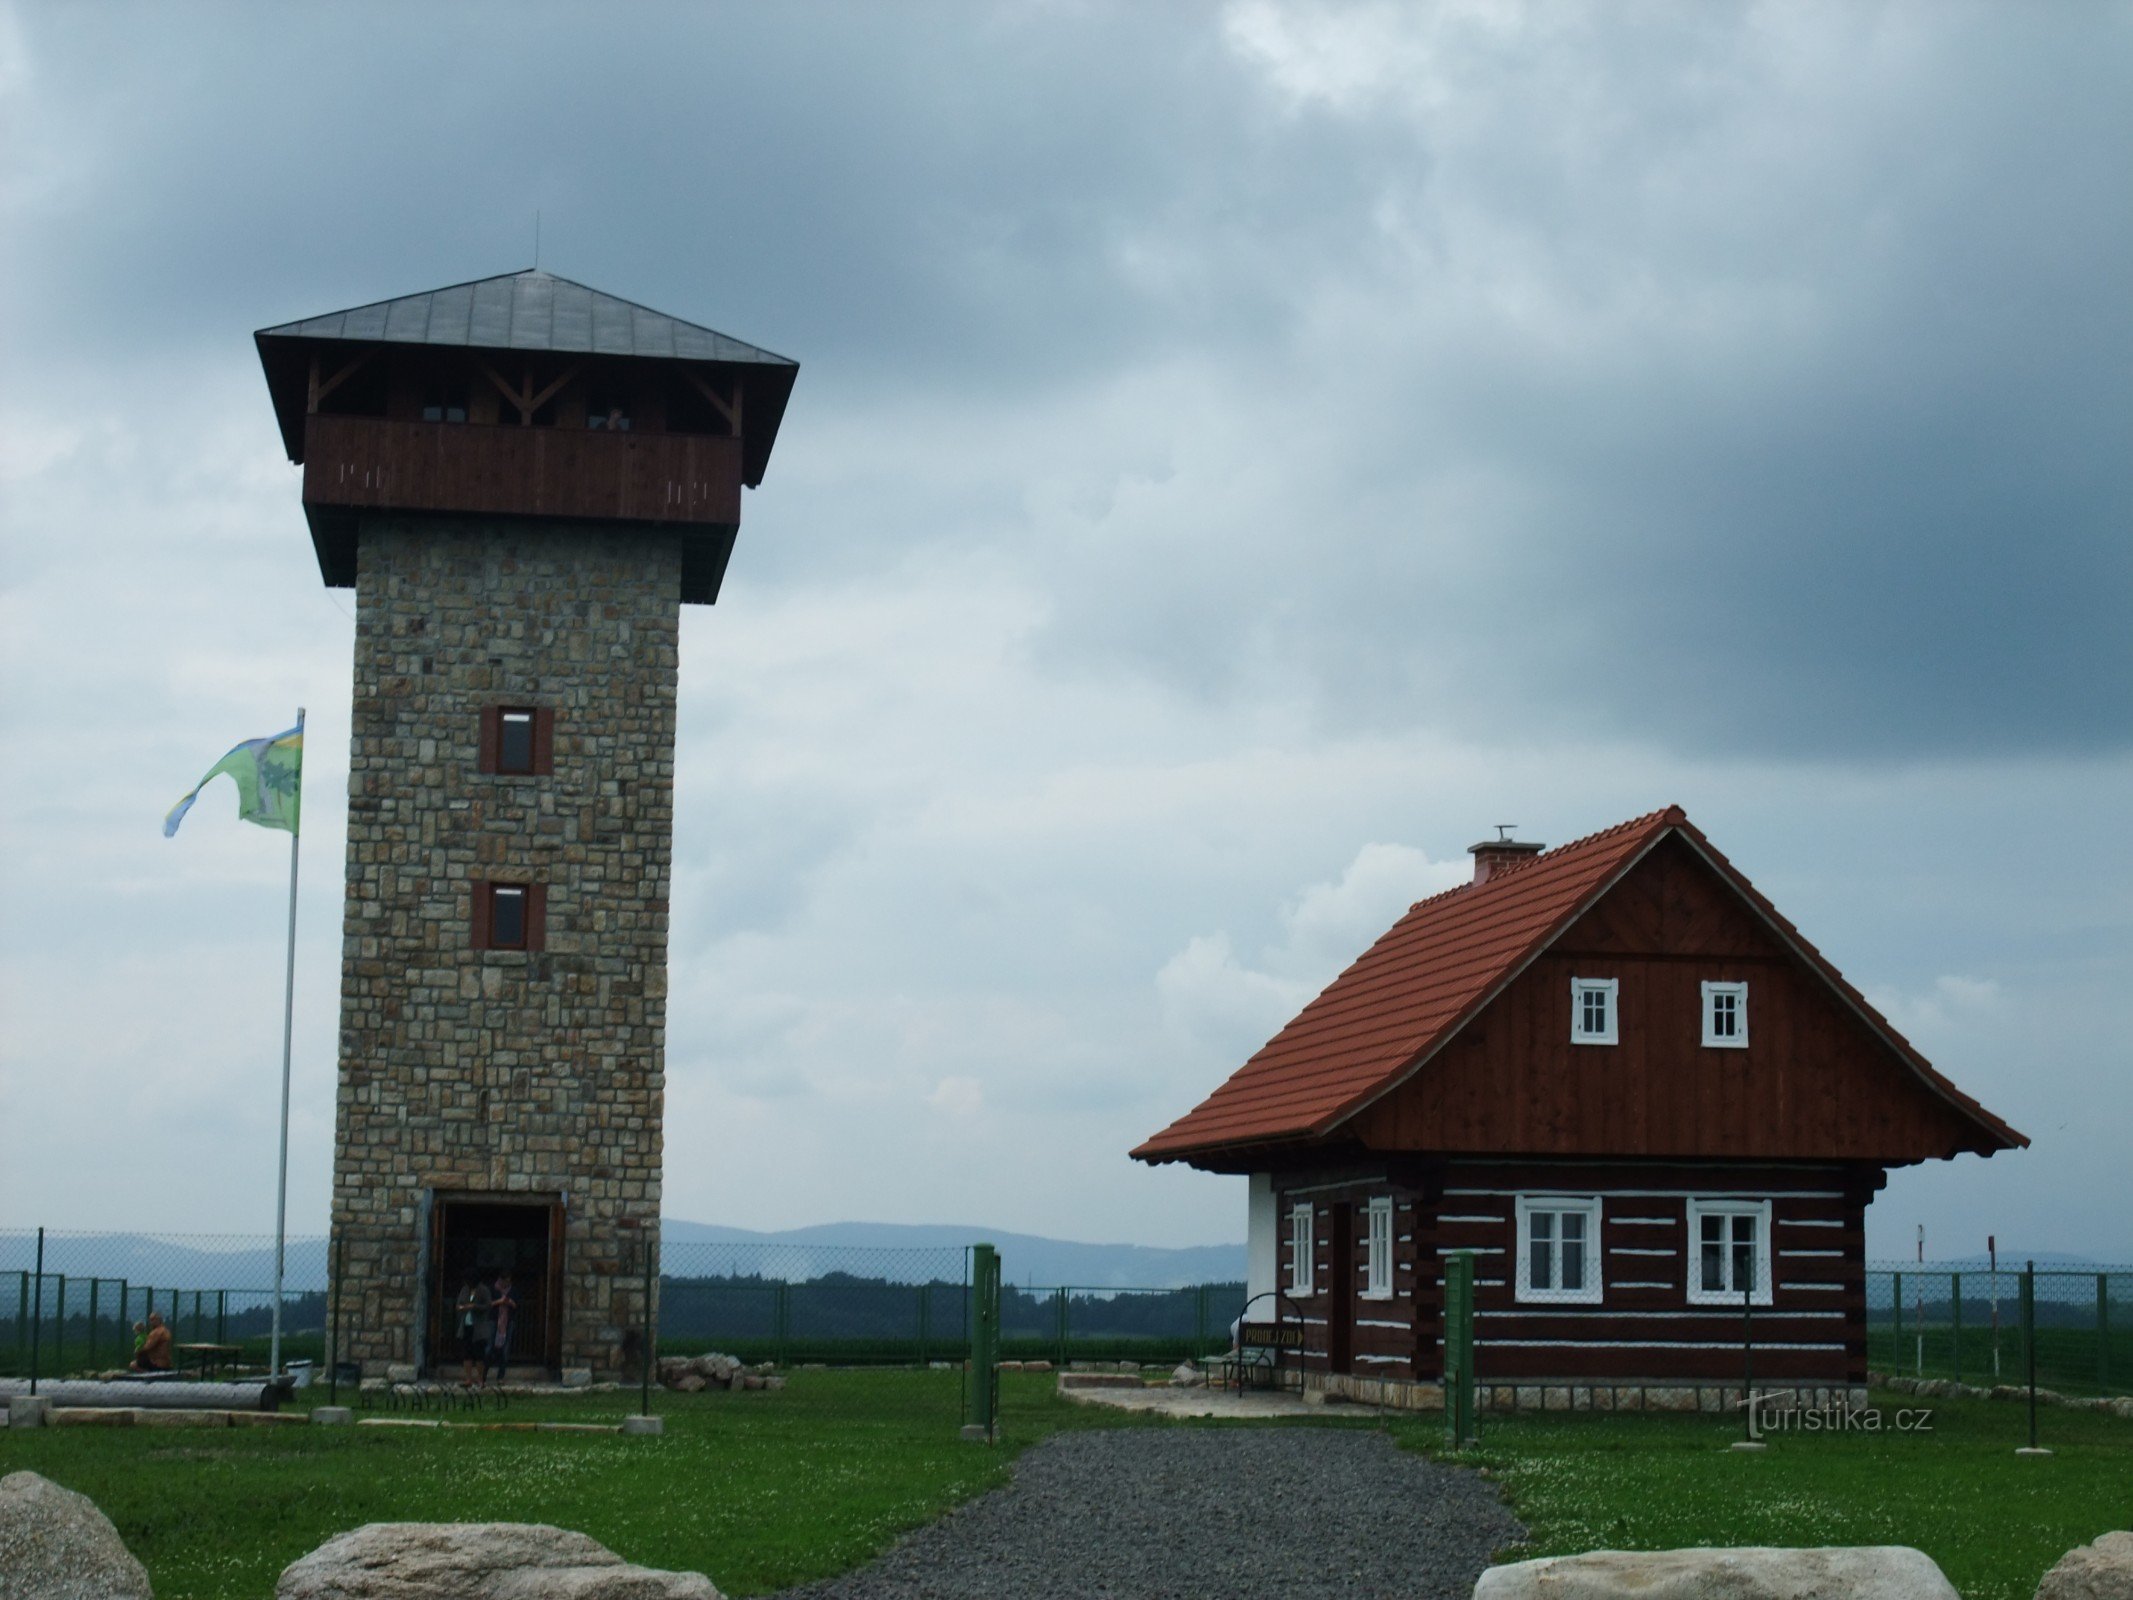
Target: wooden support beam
<point>730,410</point>
<point>319,390</point>
<point>548,393</point>
<point>517,397</point>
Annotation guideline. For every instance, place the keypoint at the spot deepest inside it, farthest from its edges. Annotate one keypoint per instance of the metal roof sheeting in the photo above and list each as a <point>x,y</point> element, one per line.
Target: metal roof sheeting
<point>531,310</point>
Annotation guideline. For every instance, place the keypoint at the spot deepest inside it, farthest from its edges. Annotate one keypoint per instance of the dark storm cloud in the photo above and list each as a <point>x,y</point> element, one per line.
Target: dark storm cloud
<point>1734,380</point>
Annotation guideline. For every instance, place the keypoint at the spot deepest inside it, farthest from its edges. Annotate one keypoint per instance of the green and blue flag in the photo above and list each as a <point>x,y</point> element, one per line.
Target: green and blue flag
<point>269,774</point>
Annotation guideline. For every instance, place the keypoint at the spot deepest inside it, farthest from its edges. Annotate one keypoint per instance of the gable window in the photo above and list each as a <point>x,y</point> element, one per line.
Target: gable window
<point>1729,1252</point>
<point>1377,1249</point>
<point>1300,1220</point>
<point>510,916</point>
<point>1593,1010</point>
<point>1559,1248</point>
<point>518,741</point>
<point>1725,1015</point>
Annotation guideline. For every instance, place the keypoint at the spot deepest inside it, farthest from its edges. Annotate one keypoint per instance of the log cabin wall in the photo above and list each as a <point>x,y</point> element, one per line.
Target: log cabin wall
<point>1347,1329</point>
<point>1644,1327</point>
<point>1814,1082</point>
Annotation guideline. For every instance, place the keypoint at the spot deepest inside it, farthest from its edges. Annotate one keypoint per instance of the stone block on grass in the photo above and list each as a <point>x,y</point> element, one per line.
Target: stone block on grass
<point>2102,1570</point>
<point>56,1543</point>
<point>1869,1572</point>
<point>477,1561</point>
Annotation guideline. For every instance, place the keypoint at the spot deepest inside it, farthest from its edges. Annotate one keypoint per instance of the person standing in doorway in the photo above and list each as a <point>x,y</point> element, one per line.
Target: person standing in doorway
<point>476,1328</point>
<point>503,1308</point>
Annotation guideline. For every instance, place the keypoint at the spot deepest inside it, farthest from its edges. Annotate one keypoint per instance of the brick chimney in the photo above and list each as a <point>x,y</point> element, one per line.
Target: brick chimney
<point>1492,856</point>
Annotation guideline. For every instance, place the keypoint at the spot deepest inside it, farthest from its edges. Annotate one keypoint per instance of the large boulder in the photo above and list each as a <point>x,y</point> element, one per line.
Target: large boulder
<point>55,1545</point>
<point>1869,1572</point>
<point>2099,1571</point>
<point>477,1561</point>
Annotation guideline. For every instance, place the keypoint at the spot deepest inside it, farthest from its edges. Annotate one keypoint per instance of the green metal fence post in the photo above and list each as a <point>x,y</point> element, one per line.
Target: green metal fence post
<point>1060,1295</point>
<point>981,1421</point>
<point>1895,1345</point>
<point>92,1323</point>
<point>1955,1284</point>
<point>1460,1422</point>
<point>37,1314</point>
<point>2103,1333</point>
<point>649,1355</point>
<point>2029,1341</point>
<point>333,1324</point>
<point>222,1316</point>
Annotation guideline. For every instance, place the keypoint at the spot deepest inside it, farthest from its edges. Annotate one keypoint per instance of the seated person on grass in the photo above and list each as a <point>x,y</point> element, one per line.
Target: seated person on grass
<point>154,1354</point>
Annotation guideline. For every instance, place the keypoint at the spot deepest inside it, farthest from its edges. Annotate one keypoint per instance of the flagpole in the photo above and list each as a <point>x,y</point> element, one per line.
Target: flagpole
<point>288,1034</point>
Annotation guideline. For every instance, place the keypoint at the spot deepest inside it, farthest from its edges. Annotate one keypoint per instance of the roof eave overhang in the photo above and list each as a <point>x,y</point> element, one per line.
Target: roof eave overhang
<point>769,386</point>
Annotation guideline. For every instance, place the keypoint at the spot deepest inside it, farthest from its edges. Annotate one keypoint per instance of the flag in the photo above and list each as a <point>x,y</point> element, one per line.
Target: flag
<point>269,774</point>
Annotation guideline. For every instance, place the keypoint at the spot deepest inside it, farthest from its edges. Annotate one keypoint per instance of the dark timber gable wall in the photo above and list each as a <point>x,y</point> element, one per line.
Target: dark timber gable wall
<point>1815,1083</point>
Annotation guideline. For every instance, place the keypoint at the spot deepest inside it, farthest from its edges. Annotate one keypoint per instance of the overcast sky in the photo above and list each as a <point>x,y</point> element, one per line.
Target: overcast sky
<point>1241,453</point>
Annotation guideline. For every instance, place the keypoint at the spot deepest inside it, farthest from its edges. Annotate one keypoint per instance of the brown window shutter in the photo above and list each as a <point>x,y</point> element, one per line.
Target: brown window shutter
<point>480,922</point>
<point>491,723</point>
<point>544,741</point>
<point>536,916</point>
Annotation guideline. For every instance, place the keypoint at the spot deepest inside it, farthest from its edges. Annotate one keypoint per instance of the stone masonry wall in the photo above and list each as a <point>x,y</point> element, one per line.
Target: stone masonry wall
<point>497,1071</point>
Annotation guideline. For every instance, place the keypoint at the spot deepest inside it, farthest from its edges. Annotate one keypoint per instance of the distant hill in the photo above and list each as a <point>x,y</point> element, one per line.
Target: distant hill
<point>865,1249</point>
<point>1024,1258</point>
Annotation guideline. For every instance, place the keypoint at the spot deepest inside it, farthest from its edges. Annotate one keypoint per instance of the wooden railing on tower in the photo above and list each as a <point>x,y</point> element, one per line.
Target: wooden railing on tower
<point>512,471</point>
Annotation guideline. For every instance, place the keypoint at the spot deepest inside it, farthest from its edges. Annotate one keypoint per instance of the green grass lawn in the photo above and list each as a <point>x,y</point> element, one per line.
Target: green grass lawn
<point>1658,1481</point>
<point>759,1490</point>
<point>764,1490</point>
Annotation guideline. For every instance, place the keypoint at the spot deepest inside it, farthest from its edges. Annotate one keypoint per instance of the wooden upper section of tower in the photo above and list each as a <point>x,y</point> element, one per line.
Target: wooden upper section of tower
<point>525,395</point>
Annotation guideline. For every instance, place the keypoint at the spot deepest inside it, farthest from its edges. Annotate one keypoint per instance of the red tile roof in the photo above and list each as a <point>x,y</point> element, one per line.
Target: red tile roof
<point>1436,968</point>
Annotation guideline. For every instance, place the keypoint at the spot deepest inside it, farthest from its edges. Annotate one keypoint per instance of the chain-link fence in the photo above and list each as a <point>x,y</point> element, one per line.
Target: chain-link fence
<point>842,1305</point>
<point>782,1303</point>
<point>1152,1326</point>
<point>1974,1326</point>
<point>80,1302</point>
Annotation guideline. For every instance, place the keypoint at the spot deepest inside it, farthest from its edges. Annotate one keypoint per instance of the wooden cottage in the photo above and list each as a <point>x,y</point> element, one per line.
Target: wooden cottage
<point>1617,1074</point>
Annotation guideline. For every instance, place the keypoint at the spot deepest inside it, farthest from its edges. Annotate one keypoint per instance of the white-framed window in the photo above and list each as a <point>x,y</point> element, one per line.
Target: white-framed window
<point>1729,1252</point>
<point>1559,1248</point>
<point>1593,1008</point>
<point>1301,1219</point>
<point>1377,1249</point>
<point>1725,1015</point>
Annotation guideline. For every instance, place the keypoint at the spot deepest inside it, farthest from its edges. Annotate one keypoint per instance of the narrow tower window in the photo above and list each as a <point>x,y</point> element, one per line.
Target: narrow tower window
<point>507,916</point>
<point>510,916</point>
<point>518,741</point>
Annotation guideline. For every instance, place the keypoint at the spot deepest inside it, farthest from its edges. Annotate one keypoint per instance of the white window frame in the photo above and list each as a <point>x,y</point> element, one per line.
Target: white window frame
<point>1377,1249</point>
<point>1303,1222</point>
<point>1585,1205</point>
<point>1611,988</point>
<point>1693,1271</point>
<point>1738,1039</point>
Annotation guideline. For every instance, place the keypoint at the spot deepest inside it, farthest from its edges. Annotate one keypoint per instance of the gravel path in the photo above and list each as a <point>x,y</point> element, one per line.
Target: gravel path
<point>1197,1514</point>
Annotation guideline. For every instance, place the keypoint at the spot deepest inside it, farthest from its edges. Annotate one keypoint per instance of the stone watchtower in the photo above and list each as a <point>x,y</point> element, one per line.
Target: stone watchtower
<point>523,479</point>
